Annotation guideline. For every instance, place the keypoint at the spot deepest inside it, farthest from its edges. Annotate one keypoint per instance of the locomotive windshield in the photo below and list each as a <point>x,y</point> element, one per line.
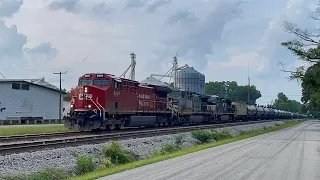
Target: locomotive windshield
<point>85,82</point>
<point>101,82</point>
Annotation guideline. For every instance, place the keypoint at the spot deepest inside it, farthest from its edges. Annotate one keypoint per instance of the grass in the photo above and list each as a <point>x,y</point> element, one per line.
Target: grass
<point>46,174</point>
<point>124,167</point>
<point>9,131</point>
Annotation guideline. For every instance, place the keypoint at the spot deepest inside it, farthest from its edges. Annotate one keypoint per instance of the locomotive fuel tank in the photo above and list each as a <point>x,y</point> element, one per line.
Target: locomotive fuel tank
<point>143,121</point>
<point>196,119</point>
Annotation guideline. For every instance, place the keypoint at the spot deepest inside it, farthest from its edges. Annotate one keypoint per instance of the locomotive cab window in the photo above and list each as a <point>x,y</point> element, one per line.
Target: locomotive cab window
<point>101,82</point>
<point>85,82</point>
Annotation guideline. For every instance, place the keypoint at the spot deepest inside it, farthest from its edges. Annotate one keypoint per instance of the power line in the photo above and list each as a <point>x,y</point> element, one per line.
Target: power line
<point>60,105</point>
<point>2,75</point>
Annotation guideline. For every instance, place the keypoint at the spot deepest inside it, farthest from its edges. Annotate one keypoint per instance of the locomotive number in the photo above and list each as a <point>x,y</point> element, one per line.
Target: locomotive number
<point>116,93</point>
<point>87,96</point>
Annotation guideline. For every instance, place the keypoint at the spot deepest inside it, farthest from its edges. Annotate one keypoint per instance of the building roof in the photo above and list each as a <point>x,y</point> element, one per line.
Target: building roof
<point>154,81</point>
<point>38,82</point>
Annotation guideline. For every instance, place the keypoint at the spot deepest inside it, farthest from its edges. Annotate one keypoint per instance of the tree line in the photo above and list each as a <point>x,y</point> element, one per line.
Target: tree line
<point>306,47</point>
<point>231,90</point>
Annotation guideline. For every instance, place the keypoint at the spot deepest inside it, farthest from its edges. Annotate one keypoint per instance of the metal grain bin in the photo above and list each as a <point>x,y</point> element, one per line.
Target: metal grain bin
<point>190,80</point>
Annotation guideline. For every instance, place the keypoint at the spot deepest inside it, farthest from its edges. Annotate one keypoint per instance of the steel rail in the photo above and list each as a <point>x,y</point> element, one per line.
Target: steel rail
<point>101,138</point>
<point>31,137</point>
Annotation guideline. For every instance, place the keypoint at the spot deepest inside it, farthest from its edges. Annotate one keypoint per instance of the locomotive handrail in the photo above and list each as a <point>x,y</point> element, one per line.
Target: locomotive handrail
<point>96,105</point>
<point>101,108</point>
<point>100,104</point>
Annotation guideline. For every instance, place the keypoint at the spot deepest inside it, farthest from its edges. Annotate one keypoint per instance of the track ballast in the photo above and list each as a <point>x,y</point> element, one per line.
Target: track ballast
<point>13,148</point>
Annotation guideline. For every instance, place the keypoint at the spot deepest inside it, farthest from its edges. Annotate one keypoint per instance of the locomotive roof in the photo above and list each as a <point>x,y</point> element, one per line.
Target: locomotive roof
<point>119,79</point>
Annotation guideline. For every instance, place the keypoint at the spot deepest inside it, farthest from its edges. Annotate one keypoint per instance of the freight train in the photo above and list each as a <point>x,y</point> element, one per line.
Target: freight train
<point>105,102</point>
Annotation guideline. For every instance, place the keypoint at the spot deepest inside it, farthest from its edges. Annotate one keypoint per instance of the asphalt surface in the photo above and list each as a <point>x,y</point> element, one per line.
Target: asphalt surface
<point>288,154</point>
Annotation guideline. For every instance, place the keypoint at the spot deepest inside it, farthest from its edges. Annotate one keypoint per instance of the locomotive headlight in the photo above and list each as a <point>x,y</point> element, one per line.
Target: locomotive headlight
<point>85,89</point>
<point>89,106</point>
<point>71,105</point>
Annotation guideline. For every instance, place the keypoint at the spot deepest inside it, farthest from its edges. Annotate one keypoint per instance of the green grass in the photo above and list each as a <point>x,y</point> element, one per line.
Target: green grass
<point>124,167</point>
<point>9,131</point>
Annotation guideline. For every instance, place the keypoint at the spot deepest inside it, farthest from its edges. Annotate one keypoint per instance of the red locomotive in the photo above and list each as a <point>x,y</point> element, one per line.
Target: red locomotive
<point>104,101</point>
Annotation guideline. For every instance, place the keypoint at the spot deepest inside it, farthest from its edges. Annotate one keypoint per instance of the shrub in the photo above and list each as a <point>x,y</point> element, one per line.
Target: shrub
<point>224,134</point>
<point>84,164</point>
<point>202,135</point>
<point>167,149</point>
<point>106,163</point>
<point>117,155</point>
<point>179,139</point>
<point>46,174</point>
<point>208,135</point>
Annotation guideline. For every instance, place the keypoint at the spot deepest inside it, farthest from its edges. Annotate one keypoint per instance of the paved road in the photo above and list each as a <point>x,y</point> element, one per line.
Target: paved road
<point>289,154</point>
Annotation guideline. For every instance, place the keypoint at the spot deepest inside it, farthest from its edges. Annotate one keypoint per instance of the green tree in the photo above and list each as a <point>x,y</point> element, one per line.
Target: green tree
<point>284,103</point>
<point>307,49</point>
<point>232,91</point>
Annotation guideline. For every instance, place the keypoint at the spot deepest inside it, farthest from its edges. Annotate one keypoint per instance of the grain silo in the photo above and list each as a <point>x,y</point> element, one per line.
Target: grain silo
<point>190,80</point>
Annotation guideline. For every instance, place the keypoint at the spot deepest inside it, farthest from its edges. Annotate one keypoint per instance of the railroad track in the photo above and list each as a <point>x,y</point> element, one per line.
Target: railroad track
<point>101,138</point>
<point>34,137</point>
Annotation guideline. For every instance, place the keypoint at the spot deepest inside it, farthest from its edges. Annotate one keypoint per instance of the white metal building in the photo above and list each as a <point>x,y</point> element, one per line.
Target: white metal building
<point>28,101</point>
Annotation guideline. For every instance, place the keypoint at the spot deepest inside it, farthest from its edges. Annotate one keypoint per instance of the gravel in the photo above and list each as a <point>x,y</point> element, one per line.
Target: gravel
<point>65,157</point>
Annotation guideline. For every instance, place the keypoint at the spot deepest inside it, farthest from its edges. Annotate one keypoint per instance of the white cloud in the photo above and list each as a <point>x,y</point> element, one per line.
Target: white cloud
<point>9,7</point>
<point>216,37</point>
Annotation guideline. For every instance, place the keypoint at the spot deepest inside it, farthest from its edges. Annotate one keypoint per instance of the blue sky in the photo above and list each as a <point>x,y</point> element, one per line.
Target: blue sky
<point>216,37</point>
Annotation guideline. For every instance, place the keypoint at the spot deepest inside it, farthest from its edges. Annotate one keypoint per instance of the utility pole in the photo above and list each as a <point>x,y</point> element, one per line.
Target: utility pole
<point>248,85</point>
<point>249,90</point>
<point>60,103</point>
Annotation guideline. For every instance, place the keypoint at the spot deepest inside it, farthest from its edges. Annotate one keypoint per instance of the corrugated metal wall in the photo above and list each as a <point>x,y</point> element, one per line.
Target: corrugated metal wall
<point>35,102</point>
<point>190,80</point>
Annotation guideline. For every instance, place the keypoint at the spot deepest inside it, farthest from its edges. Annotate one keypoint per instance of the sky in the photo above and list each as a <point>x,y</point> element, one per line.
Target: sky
<point>224,39</point>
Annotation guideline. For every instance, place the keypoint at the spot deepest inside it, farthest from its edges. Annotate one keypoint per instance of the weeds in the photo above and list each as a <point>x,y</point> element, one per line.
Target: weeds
<point>179,139</point>
<point>205,136</point>
<point>167,149</point>
<point>46,174</point>
<point>84,164</point>
<point>117,155</point>
<point>106,163</point>
<point>220,135</point>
